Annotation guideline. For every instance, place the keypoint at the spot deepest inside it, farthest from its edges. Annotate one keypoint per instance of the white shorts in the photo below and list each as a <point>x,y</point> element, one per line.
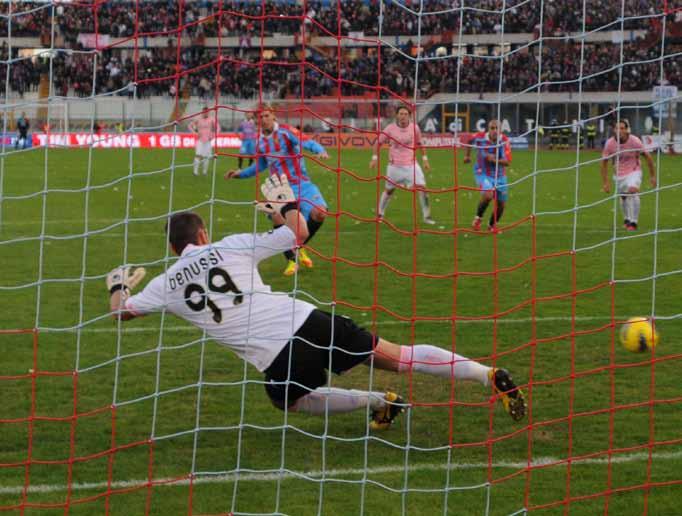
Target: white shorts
<point>406,175</point>
<point>633,180</point>
<point>204,149</point>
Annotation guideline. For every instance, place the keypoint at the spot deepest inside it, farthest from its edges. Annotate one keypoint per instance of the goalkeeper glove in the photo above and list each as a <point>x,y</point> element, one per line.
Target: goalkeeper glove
<point>121,278</point>
<point>278,195</point>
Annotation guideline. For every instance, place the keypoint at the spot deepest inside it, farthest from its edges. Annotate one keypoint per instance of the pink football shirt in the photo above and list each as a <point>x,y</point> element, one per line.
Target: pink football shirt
<point>204,128</point>
<point>403,143</point>
<point>625,156</point>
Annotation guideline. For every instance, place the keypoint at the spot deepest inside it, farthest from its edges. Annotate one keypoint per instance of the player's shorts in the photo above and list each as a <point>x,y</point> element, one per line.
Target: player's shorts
<point>324,342</point>
<point>632,180</point>
<point>487,184</point>
<point>405,175</point>
<point>204,149</point>
<point>310,197</point>
<point>248,147</point>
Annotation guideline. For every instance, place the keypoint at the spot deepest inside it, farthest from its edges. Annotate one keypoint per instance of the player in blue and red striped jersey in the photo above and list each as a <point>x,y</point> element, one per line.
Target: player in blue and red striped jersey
<point>279,150</point>
<point>494,155</point>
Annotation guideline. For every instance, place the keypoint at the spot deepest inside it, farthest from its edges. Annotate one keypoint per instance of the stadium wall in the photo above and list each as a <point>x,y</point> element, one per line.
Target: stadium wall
<point>442,113</point>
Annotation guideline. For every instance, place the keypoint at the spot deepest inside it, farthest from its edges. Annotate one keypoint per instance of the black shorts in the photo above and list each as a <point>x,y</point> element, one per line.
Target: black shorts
<point>324,342</point>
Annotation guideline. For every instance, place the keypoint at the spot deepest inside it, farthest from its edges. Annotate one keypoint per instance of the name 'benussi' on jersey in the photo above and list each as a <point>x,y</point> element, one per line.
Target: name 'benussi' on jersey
<point>193,269</point>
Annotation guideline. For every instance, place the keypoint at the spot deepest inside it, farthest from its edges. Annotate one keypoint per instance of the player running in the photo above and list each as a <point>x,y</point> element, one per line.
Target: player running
<point>624,150</point>
<point>217,288</point>
<point>403,138</point>
<point>279,151</point>
<point>205,129</point>
<point>494,155</point>
<point>248,132</point>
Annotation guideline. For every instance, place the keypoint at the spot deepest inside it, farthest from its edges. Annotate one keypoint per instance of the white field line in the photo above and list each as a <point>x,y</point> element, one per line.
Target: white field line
<point>335,473</point>
<point>64,222</point>
<point>366,322</point>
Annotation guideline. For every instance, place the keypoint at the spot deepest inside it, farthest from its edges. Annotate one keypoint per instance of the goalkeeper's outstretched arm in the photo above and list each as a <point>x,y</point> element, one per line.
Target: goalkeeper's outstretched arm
<point>120,282</point>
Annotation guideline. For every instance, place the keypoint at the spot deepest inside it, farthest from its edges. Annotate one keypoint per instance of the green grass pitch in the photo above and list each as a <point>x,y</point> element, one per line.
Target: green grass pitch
<point>69,216</point>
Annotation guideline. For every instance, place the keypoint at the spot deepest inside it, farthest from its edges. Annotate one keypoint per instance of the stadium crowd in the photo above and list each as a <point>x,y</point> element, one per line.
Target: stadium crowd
<point>120,18</point>
<point>157,69</point>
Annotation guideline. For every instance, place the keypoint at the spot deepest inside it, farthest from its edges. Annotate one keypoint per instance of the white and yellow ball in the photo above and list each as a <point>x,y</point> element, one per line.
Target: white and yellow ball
<point>638,335</point>
<point>441,51</point>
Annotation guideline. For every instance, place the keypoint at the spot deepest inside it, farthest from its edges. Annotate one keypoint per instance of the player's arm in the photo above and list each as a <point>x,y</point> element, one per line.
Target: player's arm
<point>652,168</point>
<point>606,186</point>
<point>192,126</point>
<point>606,155</point>
<point>382,139</point>
<point>467,149</point>
<point>120,282</point>
<point>420,145</point>
<point>260,165</point>
<point>316,148</point>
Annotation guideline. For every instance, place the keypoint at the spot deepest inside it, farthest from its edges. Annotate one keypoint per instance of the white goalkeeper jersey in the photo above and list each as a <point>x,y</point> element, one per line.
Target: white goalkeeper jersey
<point>217,288</point>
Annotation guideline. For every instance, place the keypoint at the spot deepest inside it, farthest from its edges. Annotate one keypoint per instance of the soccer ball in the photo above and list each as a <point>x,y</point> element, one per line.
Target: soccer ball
<point>441,51</point>
<point>638,335</point>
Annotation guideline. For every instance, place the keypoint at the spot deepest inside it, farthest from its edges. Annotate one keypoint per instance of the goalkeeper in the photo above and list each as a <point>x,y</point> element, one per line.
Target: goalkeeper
<point>217,288</point>
<point>279,150</point>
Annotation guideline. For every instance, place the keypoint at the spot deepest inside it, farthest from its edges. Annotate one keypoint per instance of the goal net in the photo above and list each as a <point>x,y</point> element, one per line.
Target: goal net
<point>154,417</point>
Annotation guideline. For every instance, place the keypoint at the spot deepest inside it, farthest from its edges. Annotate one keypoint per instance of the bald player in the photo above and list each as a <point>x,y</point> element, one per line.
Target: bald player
<point>490,171</point>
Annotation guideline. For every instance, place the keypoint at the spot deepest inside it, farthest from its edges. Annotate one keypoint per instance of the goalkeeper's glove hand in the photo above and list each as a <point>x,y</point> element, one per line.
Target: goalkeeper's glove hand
<point>278,196</point>
<point>121,278</point>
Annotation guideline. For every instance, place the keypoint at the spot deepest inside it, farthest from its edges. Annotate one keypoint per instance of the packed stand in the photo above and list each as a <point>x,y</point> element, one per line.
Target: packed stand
<point>205,17</point>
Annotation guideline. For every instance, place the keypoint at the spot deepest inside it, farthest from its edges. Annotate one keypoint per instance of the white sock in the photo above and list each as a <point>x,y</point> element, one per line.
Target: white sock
<point>383,202</point>
<point>206,163</point>
<point>427,359</point>
<point>634,207</point>
<point>624,206</point>
<point>196,166</point>
<point>337,401</point>
<point>424,201</point>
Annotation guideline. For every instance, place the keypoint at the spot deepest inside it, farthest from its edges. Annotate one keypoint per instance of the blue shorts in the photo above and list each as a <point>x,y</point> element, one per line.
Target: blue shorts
<point>248,147</point>
<point>310,197</point>
<point>487,183</point>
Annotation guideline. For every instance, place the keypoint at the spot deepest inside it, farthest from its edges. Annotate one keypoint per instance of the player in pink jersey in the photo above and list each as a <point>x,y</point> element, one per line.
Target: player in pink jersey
<point>403,138</point>
<point>205,130</point>
<point>624,150</point>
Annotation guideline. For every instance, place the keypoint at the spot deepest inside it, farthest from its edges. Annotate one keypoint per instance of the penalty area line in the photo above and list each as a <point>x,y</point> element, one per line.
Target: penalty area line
<point>333,474</point>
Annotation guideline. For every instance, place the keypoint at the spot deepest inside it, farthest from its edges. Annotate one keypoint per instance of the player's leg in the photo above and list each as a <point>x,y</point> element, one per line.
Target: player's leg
<point>315,221</point>
<point>632,184</point>
<point>486,187</point>
<point>311,196</point>
<point>501,196</point>
<point>197,158</point>
<point>621,190</point>
<point>297,377</point>
<point>251,148</point>
<point>384,200</point>
<point>436,361</point>
<point>423,195</point>
<point>628,190</point>
<point>394,175</point>
<point>242,152</point>
<point>625,207</point>
<point>313,207</point>
<point>496,215</point>
<point>207,153</point>
<point>635,204</point>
